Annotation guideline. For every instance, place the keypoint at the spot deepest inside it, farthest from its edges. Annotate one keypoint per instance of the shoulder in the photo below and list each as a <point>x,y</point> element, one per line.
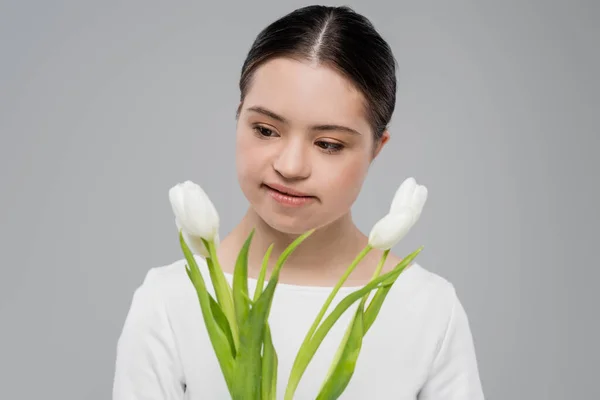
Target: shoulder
<point>170,282</point>
<point>168,276</point>
<point>425,310</point>
<point>425,295</point>
<point>421,280</point>
<point>433,284</point>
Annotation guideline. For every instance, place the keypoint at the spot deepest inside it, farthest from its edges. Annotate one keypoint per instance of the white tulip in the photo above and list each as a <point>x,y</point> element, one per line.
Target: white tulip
<point>195,243</point>
<point>195,215</point>
<point>405,211</point>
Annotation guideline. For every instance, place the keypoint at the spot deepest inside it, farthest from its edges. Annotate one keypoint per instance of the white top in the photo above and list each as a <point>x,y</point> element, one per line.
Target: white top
<point>419,347</point>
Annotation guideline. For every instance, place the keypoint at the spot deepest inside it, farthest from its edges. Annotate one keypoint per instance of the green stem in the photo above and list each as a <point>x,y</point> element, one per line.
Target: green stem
<point>378,269</point>
<point>342,345</point>
<point>305,356</point>
<point>336,289</point>
<point>218,338</point>
<point>381,263</point>
<point>223,292</point>
<point>295,374</point>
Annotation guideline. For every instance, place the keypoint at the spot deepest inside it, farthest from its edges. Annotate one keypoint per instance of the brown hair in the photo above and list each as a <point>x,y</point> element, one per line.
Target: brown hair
<point>340,38</point>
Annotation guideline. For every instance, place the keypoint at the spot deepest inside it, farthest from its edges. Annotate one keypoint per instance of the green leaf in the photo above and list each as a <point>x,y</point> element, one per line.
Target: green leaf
<point>384,280</point>
<point>375,306</point>
<point>222,289</point>
<point>298,367</point>
<point>217,337</point>
<point>269,367</point>
<point>240,282</point>
<point>380,295</point>
<point>336,289</point>
<point>306,352</point>
<point>248,299</point>
<point>221,320</point>
<point>351,326</point>
<point>249,362</point>
<point>274,278</point>
<point>344,367</point>
<point>263,272</point>
<point>338,354</point>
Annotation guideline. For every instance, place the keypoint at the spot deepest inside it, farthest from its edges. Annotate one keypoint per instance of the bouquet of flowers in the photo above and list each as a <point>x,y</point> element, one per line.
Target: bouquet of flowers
<point>238,323</point>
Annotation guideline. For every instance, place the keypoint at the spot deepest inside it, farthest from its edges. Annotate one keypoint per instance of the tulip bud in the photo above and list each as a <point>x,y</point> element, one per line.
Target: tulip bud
<point>195,216</point>
<point>195,243</point>
<point>405,211</point>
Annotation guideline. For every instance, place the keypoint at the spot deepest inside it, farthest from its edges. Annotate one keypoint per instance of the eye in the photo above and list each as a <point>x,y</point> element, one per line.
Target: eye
<point>330,147</point>
<point>264,132</point>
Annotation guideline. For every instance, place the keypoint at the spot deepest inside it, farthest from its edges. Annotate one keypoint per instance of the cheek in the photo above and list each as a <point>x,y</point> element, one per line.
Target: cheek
<point>242,156</point>
<point>345,182</point>
<point>248,157</point>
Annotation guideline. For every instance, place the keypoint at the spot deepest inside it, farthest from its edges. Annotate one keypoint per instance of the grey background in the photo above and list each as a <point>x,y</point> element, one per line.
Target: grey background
<point>103,107</point>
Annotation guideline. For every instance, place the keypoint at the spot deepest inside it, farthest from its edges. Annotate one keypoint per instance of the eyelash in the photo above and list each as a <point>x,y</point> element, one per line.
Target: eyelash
<point>327,147</point>
<point>332,147</point>
<point>259,130</point>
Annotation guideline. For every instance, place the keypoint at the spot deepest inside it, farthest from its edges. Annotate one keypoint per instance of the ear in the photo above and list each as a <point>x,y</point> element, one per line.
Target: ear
<point>381,142</point>
<point>238,110</point>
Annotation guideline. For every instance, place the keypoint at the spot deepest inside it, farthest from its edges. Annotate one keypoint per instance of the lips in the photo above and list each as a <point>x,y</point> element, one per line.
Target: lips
<point>288,197</point>
<point>287,190</point>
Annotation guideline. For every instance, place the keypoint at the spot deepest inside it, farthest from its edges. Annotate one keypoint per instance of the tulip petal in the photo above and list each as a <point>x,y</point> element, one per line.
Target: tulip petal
<point>197,220</point>
<point>194,210</point>
<point>195,243</point>
<point>391,229</point>
<point>404,195</point>
<point>176,199</point>
<point>419,199</point>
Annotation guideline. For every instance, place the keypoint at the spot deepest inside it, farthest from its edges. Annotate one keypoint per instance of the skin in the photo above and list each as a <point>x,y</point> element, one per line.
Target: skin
<point>277,142</point>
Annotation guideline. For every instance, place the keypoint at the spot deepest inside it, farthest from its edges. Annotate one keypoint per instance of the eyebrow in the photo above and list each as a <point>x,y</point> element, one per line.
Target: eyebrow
<point>323,127</point>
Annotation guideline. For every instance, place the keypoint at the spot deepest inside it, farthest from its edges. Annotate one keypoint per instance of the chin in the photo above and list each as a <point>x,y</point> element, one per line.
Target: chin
<point>287,224</point>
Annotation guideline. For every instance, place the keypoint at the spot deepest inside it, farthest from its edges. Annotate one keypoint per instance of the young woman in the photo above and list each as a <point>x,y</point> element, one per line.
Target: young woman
<point>318,90</point>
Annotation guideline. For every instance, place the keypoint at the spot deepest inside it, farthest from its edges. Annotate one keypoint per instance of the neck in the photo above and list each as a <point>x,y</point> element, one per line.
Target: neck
<point>336,244</point>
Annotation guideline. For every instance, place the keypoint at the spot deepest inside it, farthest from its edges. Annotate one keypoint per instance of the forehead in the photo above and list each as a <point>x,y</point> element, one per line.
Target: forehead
<point>307,93</point>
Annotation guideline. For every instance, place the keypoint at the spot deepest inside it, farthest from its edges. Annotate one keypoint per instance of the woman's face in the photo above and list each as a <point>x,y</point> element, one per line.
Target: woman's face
<point>302,129</point>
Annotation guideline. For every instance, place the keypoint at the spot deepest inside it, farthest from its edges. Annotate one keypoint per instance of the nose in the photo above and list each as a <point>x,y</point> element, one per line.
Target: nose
<point>292,161</point>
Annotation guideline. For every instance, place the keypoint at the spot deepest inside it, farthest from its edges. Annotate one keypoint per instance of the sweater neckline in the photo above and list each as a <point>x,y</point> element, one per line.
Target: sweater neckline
<point>311,288</point>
